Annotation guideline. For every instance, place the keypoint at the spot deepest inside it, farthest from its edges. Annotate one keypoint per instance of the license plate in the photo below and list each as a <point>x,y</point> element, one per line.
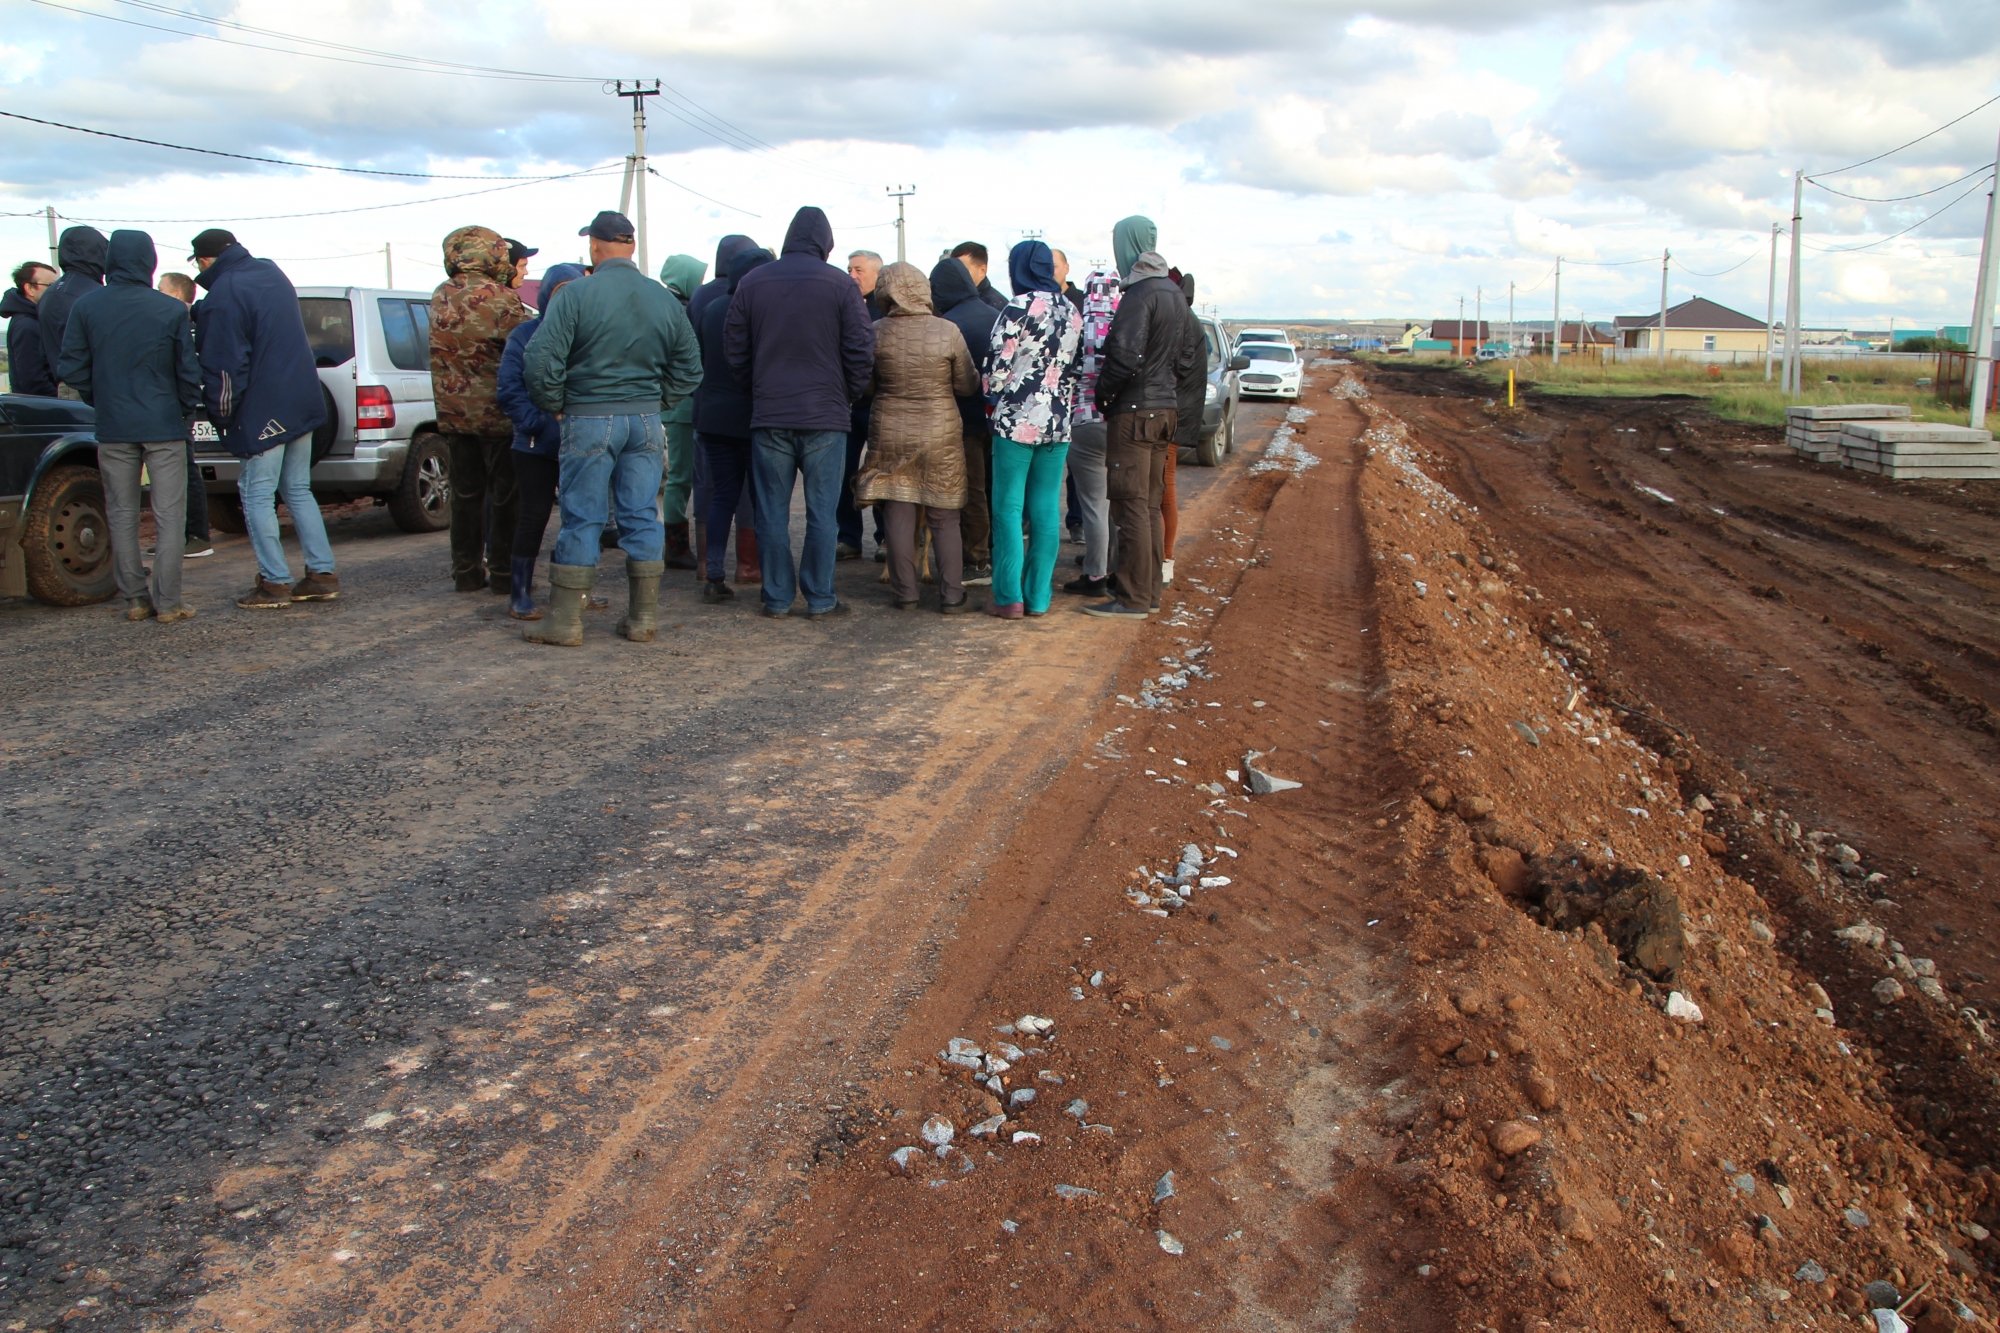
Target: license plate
<point>204,432</point>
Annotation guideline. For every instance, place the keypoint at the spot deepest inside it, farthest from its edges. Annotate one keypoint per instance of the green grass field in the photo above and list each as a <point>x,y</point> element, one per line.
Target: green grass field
<point>1737,392</point>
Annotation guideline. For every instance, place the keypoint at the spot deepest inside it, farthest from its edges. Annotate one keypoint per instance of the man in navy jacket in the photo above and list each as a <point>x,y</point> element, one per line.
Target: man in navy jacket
<point>128,352</point>
<point>263,394</point>
<point>799,336</point>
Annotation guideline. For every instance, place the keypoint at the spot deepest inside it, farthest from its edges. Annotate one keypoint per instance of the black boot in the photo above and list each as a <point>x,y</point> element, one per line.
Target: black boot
<point>680,555</point>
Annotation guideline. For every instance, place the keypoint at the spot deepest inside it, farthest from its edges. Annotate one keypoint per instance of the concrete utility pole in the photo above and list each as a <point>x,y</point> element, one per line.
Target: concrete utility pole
<point>389,264</point>
<point>1982,309</point>
<point>50,210</point>
<point>1559,312</point>
<point>900,193</point>
<point>632,198</point>
<point>1793,366</point>
<point>1771,308</point>
<point>1665,257</point>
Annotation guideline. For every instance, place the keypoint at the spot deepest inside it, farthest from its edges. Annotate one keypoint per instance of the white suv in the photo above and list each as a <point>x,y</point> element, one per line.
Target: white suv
<point>380,439</point>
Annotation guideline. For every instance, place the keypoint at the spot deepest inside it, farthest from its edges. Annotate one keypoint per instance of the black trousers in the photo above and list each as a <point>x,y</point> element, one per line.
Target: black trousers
<point>483,502</point>
<point>535,484</point>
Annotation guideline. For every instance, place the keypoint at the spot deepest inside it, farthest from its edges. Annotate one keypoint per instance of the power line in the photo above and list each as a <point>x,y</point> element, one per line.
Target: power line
<point>1912,143</point>
<point>271,161</point>
<point>1697,273</point>
<point>1901,198</point>
<point>451,65</point>
<point>601,170</point>
<point>412,64</point>
<point>651,171</point>
<point>1608,263</point>
<point>1849,249</point>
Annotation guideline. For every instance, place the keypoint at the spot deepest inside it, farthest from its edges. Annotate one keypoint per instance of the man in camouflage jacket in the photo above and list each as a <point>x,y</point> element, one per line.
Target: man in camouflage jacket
<point>472,312</point>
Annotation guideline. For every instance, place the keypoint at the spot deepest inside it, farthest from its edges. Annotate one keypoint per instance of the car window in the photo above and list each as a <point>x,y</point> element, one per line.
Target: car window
<point>329,328</point>
<point>406,327</point>
<point>1214,345</point>
<point>1267,352</point>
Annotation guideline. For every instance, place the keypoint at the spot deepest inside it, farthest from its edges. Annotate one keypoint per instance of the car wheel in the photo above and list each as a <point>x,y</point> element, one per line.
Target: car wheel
<point>422,502</point>
<point>1229,430</point>
<point>225,514</point>
<point>66,539</point>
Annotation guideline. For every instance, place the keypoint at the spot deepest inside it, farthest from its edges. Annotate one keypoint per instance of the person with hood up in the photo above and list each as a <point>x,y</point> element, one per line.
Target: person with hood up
<point>537,440</point>
<point>262,392</point>
<point>681,275</point>
<point>799,336</point>
<point>1146,352</point>
<point>955,296</point>
<point>916,458</point>
<point>1032,373</point>
<point>613,353</point>
<point>80,253</point>
<point>128,351</point>
<point>722,439</point>
<point>1087,436</point>
<point>716,291</point>
<point>472,312</point>
<point>27,360</point>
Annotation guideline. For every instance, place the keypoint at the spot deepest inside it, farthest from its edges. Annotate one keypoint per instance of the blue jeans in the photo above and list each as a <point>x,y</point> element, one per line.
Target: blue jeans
<point>610,465</point>
<point>283,473</point>
<point>777,458</point>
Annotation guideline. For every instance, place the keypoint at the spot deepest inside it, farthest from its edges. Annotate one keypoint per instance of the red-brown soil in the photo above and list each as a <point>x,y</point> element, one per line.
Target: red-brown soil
<point>1569,749</point>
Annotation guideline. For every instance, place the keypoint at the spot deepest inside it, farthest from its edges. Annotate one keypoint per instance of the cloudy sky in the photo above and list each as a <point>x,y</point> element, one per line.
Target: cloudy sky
<point>1302,157</point>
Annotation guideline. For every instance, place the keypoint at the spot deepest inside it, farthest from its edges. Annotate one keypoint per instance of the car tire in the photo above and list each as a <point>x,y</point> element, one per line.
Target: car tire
<point>66,539</point>
<point>422,500</point>
<point>1229,430</point>
<point>225,514</point>
<point>1208,448</point>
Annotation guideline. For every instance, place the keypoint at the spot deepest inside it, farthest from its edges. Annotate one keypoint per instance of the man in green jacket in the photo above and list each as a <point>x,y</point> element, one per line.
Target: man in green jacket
<point>614,352</point>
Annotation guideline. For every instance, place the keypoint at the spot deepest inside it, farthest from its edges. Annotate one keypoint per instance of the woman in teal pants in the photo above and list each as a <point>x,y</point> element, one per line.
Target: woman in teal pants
<point>1028,390</point>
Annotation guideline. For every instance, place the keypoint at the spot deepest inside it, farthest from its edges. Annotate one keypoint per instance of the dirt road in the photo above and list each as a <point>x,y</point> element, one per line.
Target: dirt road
<point>360,957</point>
<point>1620,961</point>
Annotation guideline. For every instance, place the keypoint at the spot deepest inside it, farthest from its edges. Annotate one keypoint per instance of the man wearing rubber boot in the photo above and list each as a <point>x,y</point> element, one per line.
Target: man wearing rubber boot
<point>613,352</point>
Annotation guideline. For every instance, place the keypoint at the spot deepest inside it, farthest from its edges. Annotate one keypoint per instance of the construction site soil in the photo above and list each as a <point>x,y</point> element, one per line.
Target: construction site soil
<point>1621,960</point>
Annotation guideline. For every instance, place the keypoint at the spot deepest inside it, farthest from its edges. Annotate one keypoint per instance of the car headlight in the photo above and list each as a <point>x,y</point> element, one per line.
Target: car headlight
<point>1211,395</point>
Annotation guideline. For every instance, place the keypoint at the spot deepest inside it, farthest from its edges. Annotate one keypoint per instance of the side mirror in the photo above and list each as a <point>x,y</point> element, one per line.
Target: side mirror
<point>1239,362</point>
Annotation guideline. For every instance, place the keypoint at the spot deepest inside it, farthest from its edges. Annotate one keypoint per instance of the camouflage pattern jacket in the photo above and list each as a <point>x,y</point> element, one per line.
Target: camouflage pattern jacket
<point>472,312</point>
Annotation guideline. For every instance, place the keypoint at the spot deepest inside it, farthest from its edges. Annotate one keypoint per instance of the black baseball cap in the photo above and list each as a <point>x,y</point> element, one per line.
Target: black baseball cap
<point>516,251</point>
<point>610,226</point>
<point>212,243</point>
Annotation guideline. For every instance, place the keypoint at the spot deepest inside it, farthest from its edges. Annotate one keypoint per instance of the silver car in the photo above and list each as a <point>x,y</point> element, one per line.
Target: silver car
<point>380,440</point>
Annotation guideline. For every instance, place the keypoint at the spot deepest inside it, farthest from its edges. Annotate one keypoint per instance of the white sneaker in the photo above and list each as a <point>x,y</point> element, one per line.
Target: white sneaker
<point>1166,573</point>
<point>196,553</point>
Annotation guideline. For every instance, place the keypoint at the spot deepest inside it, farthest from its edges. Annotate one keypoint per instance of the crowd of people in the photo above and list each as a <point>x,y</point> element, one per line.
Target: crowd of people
<point>661,416</point>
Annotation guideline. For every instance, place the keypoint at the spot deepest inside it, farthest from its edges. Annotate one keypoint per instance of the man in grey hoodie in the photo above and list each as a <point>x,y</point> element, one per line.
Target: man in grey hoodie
<point>1146,353</point>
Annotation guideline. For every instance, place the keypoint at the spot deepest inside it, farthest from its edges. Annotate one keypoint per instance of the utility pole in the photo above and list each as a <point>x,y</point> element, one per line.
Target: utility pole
<point>634,191</point>
<point>50,210</point>
<point>1559,312</point>
<point>1771,309</point>
<point>899,193</point>
<point>1666,256</point>
<point>1982,310</point>
<point>389,264</point>
<point>1793,360</point>
<point>1461,320</point>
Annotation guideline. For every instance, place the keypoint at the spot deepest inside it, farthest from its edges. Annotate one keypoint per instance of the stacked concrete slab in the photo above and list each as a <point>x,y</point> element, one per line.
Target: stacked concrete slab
<point>1814,432</point>
<point>1906,450</point>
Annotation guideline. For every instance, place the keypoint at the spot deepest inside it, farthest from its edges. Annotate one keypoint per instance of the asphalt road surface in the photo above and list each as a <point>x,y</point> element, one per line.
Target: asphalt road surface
<point>362,938</point>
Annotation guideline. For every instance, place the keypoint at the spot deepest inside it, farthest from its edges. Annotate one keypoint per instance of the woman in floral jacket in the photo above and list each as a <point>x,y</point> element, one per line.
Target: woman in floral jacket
<point>1028,386</point>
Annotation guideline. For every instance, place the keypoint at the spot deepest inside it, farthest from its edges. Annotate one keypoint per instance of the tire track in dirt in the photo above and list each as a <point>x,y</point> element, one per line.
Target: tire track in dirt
<point>1244,1043</point>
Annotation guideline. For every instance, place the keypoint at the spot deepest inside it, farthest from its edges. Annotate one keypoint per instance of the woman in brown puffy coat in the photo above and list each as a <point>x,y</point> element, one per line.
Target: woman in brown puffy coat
<point>916,449</point>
